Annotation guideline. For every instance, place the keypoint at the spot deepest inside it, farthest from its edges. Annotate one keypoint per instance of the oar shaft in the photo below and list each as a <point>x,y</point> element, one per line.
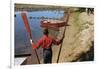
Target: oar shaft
<point>25,20</point>
<point>63,36</point>
<point>37,56</point>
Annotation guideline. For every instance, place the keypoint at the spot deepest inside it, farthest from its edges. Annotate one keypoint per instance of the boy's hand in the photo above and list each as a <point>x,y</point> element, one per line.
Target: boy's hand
<point>31,41</point>
<point>63,37</point>
<point>33,45</point>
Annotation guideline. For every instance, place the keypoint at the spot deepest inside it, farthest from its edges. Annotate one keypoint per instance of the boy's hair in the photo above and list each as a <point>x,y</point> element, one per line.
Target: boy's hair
<point>46,32</point>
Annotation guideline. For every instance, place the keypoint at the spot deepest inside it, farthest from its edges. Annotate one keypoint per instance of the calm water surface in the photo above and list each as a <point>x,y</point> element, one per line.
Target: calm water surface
<point>22,44</point>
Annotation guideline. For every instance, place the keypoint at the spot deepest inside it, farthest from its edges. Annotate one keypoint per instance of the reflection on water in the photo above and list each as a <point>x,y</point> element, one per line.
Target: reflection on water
<point>22,44</point>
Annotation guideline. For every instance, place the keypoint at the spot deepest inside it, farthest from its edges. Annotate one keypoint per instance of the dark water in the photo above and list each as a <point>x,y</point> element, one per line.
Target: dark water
<point>22,44</point>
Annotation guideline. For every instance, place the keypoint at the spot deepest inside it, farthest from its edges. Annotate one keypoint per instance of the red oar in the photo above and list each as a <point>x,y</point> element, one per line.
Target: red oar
<point>25,20</point>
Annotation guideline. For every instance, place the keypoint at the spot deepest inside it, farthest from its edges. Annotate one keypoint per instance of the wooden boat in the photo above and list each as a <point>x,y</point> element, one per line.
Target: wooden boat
<point>53,24</point>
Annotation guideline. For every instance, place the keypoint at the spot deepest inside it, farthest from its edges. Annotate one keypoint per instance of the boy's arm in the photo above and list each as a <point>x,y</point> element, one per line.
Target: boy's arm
<point>57,42</point>
<point>34,46</point>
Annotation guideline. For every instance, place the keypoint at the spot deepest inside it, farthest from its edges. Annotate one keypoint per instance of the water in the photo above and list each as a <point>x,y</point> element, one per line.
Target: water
<point>22,44</point>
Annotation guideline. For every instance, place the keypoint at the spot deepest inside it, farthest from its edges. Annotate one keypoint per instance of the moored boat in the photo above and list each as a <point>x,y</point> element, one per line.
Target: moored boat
<point>53,24</point>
